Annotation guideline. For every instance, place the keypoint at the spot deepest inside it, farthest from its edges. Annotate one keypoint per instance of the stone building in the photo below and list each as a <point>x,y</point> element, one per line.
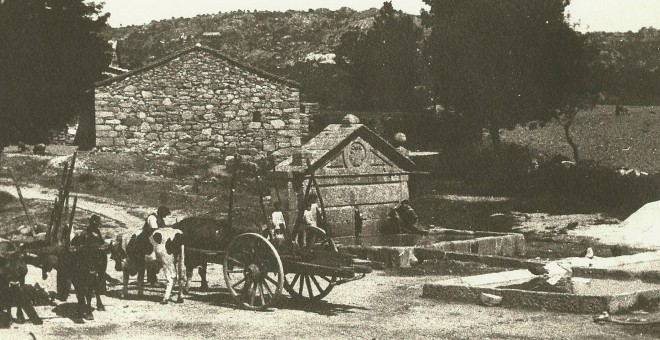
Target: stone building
<point>353,167</point>
<point>198,102</point>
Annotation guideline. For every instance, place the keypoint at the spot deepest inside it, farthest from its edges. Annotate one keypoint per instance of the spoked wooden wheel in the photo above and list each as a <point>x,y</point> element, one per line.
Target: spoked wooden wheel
<point>312,287</point>
<point>309,286</point>
<point>253,271</point>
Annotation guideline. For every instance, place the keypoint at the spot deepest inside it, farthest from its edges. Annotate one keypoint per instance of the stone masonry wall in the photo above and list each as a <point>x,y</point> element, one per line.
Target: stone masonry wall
<point>198,105</point>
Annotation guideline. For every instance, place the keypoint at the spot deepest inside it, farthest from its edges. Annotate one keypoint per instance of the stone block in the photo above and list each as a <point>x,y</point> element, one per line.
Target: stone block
<point>167,102</point>
<point>147,94</point>
<point>207,131</point>
<point>104,142</point>
<point>103,127</point>
<point>183,136</point>
<point>130,88</point>
<point>277,124</point>
<point>235,125</point>
<point>132,121</point>
<point>104,114</point>
<point>254,125</point>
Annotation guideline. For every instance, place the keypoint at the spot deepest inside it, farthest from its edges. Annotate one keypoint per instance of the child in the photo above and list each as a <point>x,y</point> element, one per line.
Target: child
<point>309,220</point>
<point>278,221</point>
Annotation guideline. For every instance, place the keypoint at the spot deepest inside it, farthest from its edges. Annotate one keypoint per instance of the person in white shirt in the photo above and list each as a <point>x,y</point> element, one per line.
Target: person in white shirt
<point>156,220</point>
<point>277,218</point>
<point>153,222</point>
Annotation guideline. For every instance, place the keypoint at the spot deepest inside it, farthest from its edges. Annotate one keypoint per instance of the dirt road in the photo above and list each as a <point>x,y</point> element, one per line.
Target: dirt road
<point>381,306</point>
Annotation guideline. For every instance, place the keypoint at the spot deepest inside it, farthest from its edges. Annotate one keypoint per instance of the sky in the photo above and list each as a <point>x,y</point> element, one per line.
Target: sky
<point>591,15</point>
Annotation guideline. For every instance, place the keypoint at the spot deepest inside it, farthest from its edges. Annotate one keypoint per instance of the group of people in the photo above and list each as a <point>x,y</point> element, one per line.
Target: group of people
<point>403,219</point>
<point>310,219</point>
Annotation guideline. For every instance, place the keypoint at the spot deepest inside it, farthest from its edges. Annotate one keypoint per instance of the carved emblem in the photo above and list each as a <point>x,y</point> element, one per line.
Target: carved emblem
<point>357,154</point>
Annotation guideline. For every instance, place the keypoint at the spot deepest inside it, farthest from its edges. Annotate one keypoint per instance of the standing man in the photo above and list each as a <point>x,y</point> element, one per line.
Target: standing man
<point>154,221</point>
<point>93,233</point>
<point>358,220</point>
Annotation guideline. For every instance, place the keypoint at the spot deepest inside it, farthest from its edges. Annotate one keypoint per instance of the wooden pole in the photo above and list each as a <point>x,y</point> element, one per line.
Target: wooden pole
<point>328,231</point>
<point>232,185</point>
<point>62,226</point>
<point>33,226</point>
<point>53,227</point>
<point>50,223</point>
<point>261,199</point>
<point>69,228</point>
<point>67,189</point>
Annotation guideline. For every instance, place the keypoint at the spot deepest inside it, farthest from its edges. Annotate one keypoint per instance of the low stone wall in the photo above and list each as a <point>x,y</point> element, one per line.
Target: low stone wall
<point>469,290</point>
<point>497,244</point>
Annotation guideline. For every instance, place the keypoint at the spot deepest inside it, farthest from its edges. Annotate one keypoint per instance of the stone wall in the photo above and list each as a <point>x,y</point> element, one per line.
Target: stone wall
<point>198,104</point>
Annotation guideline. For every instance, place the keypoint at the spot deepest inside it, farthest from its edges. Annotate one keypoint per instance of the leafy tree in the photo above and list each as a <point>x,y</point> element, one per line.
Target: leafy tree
<point>51,52</point>
<point>501,63</point>
<point>381,64</point>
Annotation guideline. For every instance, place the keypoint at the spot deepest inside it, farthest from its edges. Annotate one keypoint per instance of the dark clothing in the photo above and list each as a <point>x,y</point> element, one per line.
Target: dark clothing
<point>358,222</point>
<point>408,220</point>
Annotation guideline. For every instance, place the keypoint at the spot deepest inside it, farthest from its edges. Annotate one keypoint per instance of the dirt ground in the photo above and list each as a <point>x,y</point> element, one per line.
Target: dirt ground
<point>380,306</point>
<point>384,305</point>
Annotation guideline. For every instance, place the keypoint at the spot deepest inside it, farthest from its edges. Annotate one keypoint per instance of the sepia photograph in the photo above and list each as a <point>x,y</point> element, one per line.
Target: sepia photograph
<point>330,169</point>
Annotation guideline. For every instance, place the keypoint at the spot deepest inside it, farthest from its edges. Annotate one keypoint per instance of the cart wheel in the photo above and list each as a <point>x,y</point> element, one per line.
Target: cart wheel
<point>253,271</point>
<point>309,286</point>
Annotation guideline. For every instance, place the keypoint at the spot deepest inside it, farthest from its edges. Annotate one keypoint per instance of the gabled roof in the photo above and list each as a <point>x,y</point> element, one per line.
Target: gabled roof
<point>334,138</point>
<point>212,51</point>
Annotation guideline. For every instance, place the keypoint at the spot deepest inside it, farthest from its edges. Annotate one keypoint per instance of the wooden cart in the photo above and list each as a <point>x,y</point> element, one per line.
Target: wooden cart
<point>257,269</point>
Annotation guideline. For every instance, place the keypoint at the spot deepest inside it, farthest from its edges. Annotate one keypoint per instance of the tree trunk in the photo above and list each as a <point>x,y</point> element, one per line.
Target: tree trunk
<point>569,140</point>
<point>495,137</point>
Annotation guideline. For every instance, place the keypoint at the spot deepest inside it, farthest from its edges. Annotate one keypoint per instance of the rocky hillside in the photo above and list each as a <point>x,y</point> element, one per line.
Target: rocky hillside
<point>627,70</point>
<point>269,40</point>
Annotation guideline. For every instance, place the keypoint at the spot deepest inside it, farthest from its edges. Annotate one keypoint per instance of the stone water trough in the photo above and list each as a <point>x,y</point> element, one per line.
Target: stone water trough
<point>611,284</point>
<point>403,250</point>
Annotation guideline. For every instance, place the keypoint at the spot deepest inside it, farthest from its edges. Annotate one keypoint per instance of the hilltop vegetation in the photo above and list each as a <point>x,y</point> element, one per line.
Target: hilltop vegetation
<point>269,40</point>
<point>627,63</point>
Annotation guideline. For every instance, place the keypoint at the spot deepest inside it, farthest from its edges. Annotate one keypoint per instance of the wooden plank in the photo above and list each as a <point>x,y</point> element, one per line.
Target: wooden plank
<point>314,269</point>
<point>205,251</point>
